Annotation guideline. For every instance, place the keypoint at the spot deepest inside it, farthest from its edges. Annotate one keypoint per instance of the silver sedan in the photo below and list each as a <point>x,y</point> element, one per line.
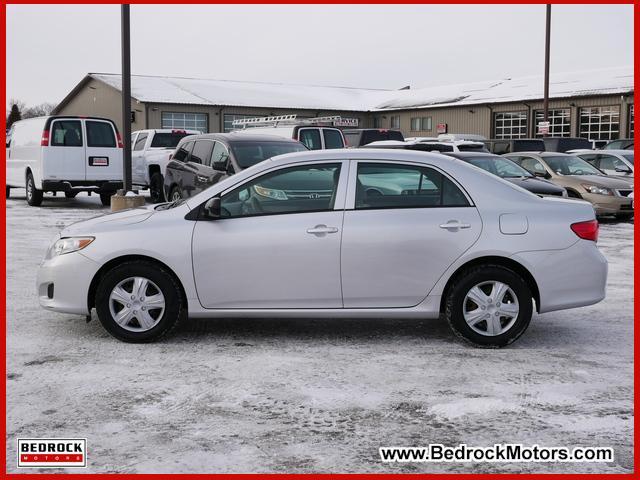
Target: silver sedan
<point>339,233</point>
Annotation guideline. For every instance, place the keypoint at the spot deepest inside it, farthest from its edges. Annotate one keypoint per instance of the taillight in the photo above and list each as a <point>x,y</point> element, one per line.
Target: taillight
<point>44,141</point>
<point>586,230</point>
<point>119,138</point>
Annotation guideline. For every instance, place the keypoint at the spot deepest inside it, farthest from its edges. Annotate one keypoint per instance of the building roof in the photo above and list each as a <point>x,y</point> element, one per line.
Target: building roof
<point>177,90</point>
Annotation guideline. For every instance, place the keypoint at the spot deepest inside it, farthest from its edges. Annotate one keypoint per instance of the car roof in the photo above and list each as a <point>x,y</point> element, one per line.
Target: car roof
<point>542,154</point>
<point>472,154</point>
<point>614,151</point>
<point>234,137</point>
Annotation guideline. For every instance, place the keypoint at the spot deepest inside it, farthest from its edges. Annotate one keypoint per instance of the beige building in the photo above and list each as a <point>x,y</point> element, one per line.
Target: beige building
<point>597,105</point>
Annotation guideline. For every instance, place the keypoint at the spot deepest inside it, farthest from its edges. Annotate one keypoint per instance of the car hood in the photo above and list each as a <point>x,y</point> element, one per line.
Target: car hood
<point>599,180</point>
<point>537,186</point>
<point>110,220</point>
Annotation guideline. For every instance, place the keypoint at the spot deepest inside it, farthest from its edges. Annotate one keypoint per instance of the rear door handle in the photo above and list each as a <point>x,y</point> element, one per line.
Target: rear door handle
<point>454,225</point>
<point>321,230</point>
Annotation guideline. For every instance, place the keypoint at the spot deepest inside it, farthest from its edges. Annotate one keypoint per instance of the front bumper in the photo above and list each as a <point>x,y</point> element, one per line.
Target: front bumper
<point>569,278</point>
<point>609,205</point>
<point>63,281</point>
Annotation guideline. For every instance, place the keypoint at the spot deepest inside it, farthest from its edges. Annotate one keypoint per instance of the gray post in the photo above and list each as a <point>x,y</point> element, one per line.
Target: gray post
<point>547,49</point>
<point>126,99</point>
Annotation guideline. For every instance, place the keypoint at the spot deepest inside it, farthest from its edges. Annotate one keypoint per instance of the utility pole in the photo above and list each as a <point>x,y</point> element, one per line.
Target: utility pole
<point>547,49</point>
<point>126,99</point>
<point>126,198</point>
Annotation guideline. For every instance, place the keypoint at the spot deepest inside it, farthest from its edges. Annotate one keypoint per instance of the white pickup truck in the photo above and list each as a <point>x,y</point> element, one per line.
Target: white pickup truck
<point>151,150</point>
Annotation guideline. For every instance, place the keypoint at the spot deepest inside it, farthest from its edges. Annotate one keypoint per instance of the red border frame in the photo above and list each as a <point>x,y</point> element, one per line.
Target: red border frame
<point>502,476</point>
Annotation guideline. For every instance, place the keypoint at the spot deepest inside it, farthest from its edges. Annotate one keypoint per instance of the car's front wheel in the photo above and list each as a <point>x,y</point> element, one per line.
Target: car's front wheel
<point>8,191</point>
<point>138,301</point>
<point>489,306</point>
<point>175,194</point>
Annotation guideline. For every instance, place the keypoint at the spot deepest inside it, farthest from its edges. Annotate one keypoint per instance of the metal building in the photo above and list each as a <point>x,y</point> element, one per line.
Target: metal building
<point>595,104</point>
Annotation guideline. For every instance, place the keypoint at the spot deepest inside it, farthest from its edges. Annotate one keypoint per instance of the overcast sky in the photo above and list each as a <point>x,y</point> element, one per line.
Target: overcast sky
<point>51,47</point>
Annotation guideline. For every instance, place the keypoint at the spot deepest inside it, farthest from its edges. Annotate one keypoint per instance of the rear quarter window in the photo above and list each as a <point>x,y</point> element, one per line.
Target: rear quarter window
<point>100,134</point>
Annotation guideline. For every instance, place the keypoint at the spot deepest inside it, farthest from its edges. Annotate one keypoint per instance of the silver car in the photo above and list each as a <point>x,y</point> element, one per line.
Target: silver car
<point>340,233</point>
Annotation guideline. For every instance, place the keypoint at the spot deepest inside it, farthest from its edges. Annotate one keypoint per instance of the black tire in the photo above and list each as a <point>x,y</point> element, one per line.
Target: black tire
<point>105,198</point>
<point>475,276</point>
<point>164,281</point>
<point>175,194</point>
<point>34,196</point>
<point>624,216</point>
<point>71,194</point>
<point>8,192</point>
<point>156,188</point>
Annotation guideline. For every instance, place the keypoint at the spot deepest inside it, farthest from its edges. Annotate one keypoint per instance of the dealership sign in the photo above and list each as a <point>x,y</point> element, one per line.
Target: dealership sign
<point>441,128</point>
<point>346,122</point>
<point>52,452</point>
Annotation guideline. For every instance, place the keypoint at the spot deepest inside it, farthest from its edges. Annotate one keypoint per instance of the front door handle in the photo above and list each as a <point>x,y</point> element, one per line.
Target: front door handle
<point>321,230</point>
<point>454,225</point>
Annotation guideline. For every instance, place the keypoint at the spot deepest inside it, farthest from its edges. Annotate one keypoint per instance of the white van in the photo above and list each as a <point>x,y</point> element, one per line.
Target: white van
<point>64,154</point>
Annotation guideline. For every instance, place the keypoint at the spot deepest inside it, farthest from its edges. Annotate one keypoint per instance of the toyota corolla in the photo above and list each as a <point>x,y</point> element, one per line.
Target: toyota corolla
<point>341,233</point>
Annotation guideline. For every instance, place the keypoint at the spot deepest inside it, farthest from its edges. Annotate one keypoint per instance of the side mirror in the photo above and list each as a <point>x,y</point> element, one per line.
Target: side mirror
<point>542,174</point>
<point>222,164</point>
<point>211,209</point>
<point>623,169</point>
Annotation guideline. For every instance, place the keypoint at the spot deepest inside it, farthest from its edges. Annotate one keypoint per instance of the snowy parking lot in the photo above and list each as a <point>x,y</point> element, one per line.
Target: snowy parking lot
<point>303,396</point>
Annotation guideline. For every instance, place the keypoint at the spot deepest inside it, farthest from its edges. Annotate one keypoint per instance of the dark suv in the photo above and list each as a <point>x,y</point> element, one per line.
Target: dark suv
<point>200,161</point>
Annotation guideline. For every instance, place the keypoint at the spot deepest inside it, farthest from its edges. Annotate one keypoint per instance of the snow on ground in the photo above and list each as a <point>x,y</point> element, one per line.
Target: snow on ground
<point>311,395</point>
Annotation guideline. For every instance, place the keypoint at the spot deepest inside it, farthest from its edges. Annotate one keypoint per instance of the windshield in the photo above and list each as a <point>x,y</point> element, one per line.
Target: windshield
<point>501,167</point>
<point>168,140</point>
<point>248,154</point>
<point>570,165</point>
<point>628,157</point>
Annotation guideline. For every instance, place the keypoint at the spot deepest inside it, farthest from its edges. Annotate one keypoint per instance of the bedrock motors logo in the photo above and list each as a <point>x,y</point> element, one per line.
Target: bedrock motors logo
<point>52,452</point>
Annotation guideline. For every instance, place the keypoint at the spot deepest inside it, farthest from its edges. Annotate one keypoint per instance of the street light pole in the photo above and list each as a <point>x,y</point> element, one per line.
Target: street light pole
<point>126,99</point>
<point>547,49</point>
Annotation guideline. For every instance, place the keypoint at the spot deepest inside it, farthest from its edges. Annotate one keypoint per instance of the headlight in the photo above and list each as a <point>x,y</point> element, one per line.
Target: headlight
<point>68,245</point>
<point>597,190</point>
<point>270,193</point>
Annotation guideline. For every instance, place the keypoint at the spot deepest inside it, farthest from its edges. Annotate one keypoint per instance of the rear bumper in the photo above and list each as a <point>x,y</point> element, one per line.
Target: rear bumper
<point>609,205</point>
<point>569,278</point>
<point>81,185</point>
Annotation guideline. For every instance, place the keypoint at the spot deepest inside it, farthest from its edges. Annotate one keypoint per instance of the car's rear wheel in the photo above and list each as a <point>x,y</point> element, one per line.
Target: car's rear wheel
<point>71,194</point>
<point>138,301</point>
<point>175,194</point>
<point>8,192</point>
<point>489,306</point>
<point>34,196</point>
<point>105,198</point>
<point>624,216</point>
<point>156,188</point>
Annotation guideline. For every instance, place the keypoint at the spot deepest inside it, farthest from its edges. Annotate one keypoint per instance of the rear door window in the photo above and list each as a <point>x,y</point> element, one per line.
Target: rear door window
<point>332,138</point>
<point>310,137</point>
<point>142,139</point>
<point>381,185</point>
<point>183,152</point>
<point>66,133</point>
<point>202,151</point>
<point>100,134</point>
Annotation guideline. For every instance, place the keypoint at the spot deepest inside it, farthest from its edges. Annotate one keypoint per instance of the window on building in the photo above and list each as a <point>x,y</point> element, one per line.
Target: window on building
<point>229,118</point>
<point>421,124</point>
<point>600,123</point>
<point>186,121</point>
<point>510,125</point>
<point>559,122</point>
<point>377,122</point>
<point>395,121</point>
<point>631,121</point>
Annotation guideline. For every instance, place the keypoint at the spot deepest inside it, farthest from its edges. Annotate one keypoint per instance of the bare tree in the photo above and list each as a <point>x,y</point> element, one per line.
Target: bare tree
<point>38,110</point>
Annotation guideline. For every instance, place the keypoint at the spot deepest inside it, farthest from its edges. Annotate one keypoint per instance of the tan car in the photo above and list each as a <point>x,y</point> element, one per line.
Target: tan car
<point>608,195</point>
